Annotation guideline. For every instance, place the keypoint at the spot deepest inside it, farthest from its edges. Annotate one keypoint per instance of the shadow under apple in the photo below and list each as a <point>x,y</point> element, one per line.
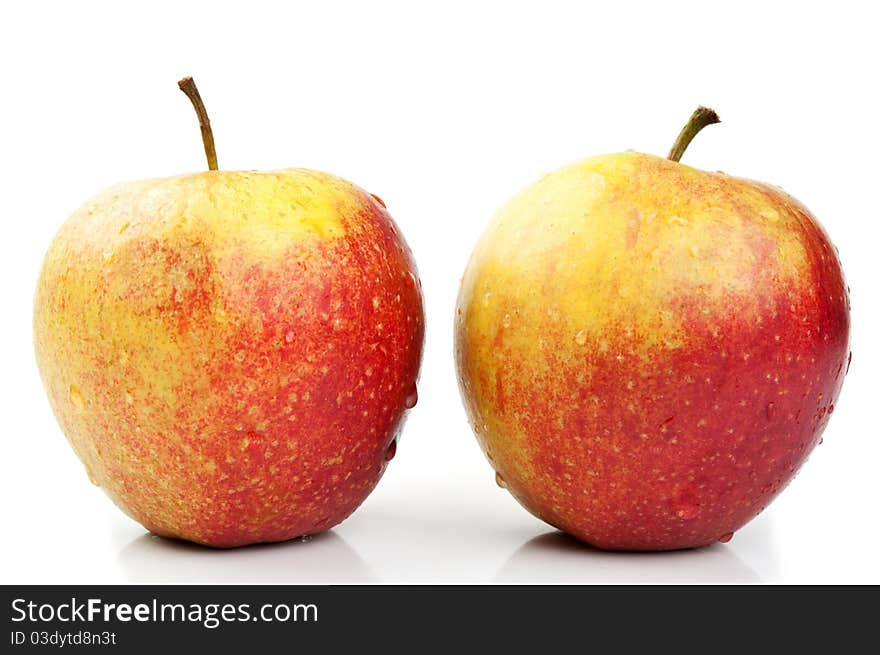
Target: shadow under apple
<point>325,558</point>
<point>556,558</point>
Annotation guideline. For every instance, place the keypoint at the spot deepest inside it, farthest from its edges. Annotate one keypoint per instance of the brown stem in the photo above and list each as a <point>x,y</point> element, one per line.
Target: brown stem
<point>188,86</point>
<point>702,117</point>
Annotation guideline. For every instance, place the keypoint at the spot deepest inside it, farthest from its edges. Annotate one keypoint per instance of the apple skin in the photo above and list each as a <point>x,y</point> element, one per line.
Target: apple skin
<point>647,352</point>
<point>231,354</point>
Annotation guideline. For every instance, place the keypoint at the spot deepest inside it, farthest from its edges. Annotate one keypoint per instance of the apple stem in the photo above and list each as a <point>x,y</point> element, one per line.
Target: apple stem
<point>188,86</point>
<point>702,117</point>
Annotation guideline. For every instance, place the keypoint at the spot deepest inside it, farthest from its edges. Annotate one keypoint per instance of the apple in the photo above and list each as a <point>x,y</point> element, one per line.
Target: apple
<point>648,352</point>
<point>231,354</point>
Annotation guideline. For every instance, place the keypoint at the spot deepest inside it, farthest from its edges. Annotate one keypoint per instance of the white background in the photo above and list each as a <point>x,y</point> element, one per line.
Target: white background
<point>445,112</point>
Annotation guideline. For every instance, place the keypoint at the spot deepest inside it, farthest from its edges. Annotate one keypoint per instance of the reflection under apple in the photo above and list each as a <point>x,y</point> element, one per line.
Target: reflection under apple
<point>325,558</point>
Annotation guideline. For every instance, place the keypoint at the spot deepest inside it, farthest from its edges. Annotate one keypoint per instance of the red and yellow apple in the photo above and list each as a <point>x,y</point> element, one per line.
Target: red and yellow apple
<point>648,352</point>
<point>231,354</point>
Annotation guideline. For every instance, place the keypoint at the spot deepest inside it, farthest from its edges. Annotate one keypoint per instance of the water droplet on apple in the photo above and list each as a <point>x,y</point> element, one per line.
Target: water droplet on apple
<point>686,510</point>
<point>580,338</point>
<point>76,398</point>
<point>725,537</point>
<point>288,336</point>
<point>767,488</point>
<point>500,481</point>
<point>391,451</point>
<point>378,199</point>
<point>821,440</point>
<point>91,476</point>
<point>771,410</point>
<point>822,411</point>
<point>306,537</point>
<point>831,408</point>
<point>848,362</point>
<point>506,321</point>
<point>412,397</point>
